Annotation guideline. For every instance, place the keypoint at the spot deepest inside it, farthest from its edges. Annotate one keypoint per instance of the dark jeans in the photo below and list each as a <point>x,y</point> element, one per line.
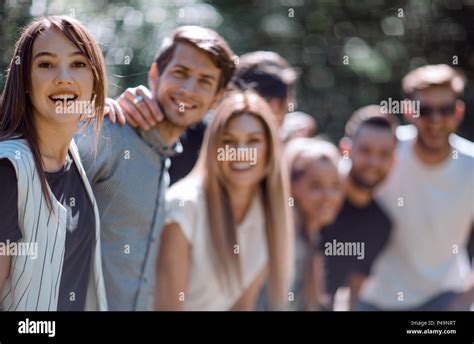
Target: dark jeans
<point>438,303</point>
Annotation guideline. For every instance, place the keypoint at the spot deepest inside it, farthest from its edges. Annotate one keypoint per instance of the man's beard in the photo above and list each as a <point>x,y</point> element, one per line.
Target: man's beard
<point>166,118</point>
<point>361,183</point>
<point>430,150</point>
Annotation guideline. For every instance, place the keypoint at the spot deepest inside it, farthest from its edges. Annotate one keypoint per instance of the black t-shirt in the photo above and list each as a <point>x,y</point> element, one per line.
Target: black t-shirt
<point>69,190</point>
<point>341,242</point>
<point>191,140</point>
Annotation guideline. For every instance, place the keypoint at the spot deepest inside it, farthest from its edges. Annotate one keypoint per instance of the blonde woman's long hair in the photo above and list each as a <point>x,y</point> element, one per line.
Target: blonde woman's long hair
<point>273,188</point>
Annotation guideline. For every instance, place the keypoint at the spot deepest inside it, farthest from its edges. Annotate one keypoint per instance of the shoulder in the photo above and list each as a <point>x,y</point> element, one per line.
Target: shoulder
<point>465,163</point>
<point>110,133</point>
<point>115,131</point>
<point>462,145</point>
<point>463,154</point>
<point>381,217</point>
<point>188,190</point>
<point>18,152</point>
<point>101,152</point>
<point>184,205</point>
<point>14,147</point>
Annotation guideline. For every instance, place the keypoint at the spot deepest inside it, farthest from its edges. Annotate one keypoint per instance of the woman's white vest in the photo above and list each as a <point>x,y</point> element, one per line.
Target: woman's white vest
<point>33,284</point>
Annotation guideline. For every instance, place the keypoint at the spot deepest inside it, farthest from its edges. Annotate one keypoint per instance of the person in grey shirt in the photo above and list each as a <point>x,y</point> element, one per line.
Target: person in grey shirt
<point>128,170</point>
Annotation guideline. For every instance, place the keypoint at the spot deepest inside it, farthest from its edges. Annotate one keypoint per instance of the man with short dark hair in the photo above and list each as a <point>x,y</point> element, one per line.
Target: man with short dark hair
<point>271,76</point>
<point>369,143</point>
<point>129,172</point>
<point>429,197</point>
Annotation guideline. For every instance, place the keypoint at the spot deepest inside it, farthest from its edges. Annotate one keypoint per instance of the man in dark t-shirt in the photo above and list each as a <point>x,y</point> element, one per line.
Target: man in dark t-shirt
<point>69,190</point>
<point>361,230</point>
<point>191,140</point>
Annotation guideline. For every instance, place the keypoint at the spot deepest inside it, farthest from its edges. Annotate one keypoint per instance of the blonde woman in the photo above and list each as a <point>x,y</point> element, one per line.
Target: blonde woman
<point>229,227</point>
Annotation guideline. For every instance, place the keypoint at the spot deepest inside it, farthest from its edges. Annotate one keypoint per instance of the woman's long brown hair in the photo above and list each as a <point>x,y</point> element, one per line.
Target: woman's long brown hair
<point>16,110</point>
<point>273,188</point>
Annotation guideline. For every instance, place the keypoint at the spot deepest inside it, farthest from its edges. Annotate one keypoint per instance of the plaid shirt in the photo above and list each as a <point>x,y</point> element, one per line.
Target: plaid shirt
<point>128,174</point>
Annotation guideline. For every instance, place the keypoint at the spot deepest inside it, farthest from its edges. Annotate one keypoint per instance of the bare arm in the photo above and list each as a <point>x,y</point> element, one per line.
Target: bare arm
<point>172,269</point>
<point>248,299</point>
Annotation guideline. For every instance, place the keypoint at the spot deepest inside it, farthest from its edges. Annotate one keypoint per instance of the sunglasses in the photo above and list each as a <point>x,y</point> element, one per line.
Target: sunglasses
<point>444,111</point>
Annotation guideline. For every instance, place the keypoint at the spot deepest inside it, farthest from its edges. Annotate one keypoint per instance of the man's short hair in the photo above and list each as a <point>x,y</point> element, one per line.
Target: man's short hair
<point>205,40</point>
<point>433,75</point>
<point>371,115</point>
<point>269,74</point>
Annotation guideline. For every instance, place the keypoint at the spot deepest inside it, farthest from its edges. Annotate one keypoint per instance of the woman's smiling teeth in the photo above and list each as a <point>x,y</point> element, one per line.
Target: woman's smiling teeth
<point>240,166</point>
<point>63,96</point>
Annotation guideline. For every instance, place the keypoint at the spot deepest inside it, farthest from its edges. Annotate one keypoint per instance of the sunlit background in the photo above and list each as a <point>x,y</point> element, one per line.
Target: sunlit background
<point>349,53</point>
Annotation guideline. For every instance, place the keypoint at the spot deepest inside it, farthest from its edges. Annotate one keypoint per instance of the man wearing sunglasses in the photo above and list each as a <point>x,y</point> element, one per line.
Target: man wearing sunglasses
<point>429,195</point>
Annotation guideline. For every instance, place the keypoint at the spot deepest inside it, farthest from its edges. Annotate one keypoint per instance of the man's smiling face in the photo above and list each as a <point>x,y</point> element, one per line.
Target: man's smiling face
<point>187,88</point>
<point>440,115</point>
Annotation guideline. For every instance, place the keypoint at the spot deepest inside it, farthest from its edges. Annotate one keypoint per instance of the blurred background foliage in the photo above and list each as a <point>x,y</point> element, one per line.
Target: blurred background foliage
<point>349,53</point>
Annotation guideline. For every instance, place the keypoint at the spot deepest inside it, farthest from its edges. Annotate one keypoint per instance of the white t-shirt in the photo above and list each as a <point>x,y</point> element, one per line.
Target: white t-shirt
<point>432,209</point>
<point>187,207</point>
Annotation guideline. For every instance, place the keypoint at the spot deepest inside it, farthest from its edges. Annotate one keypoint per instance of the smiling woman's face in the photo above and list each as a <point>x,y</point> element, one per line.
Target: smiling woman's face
<point>60,73</point>
<point>319,192</point>
<point>245,137</point>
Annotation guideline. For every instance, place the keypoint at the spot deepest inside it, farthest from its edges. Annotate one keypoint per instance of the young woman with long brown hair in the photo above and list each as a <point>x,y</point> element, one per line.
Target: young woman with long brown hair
<point>229,227</point>
<point>56,76</point>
